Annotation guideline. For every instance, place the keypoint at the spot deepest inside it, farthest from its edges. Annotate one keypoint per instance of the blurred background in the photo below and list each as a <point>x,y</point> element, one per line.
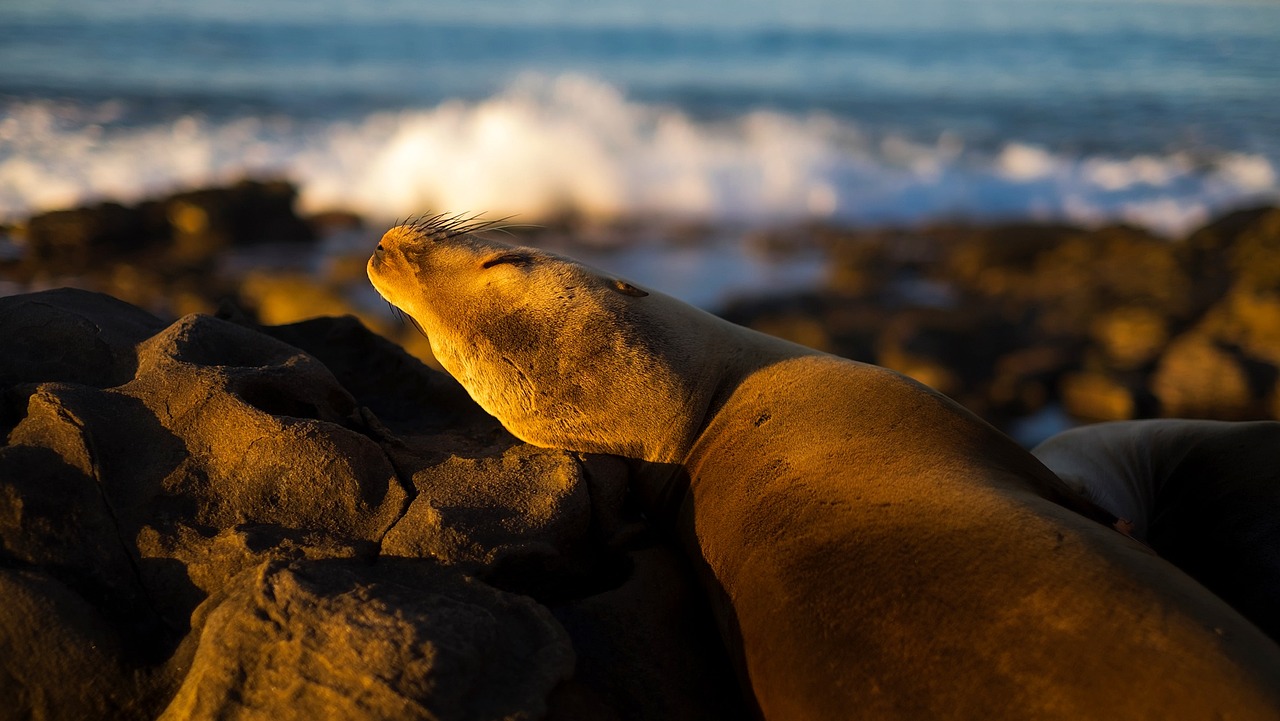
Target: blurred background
<point>934,185</point>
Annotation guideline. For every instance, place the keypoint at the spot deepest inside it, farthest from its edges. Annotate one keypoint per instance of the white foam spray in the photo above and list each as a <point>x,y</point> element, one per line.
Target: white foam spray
<point>547,145</point>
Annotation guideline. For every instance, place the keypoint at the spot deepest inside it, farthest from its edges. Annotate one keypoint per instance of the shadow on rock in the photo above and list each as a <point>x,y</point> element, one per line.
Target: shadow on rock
<point>211,519</point>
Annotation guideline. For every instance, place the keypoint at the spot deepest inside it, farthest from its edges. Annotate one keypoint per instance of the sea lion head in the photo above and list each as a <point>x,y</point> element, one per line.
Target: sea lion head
<point>563,354</point>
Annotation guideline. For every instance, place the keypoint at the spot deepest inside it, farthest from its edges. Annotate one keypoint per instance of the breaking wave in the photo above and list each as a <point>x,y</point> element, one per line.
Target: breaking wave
<point>549,145</point>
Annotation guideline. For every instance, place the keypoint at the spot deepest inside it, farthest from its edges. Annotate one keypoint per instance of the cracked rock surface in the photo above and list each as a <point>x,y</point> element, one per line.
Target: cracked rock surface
<point>212,519</point>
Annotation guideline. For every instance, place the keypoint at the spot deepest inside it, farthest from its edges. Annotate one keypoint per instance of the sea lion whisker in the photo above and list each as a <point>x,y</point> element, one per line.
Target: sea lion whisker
<point>466,226</point>
<point>443,226</point>
<point>403,316</point>
<point>504,228</point>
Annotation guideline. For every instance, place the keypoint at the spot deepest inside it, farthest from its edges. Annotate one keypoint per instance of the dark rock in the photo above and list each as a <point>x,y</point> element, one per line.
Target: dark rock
<point>997,261</point>
<point>1255,256</point>
<point>1234,247</point>
<point>216,517</point>
<point>1129,337</point>
<point>185,230</point>
<point>527,502</point>
<point>1103,396</point>
<point>647,651</point>
<point>1247,319</point>
<point>1018,316</point>
<point>278,298</point>
<point>71,335</point>
<point>403,393</point>
<point>214,521</point>
<point>205,222</point>
<point>1028,378</point>
<point>59,659</point>
<point>56,519</point>
<point>1112,267</point>
<point>397,640</point>
<point>73,241</point>
<point>335,220</point>
<point>1199,378</point>
<point>835,323</point>
<point>953,351</point>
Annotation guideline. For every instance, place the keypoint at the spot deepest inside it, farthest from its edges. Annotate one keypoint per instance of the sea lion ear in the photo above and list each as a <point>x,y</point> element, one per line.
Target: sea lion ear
<point>626,288</point>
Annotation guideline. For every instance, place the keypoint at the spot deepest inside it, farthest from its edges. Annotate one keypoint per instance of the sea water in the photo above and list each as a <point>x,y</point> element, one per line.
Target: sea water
<point>1154,112</point>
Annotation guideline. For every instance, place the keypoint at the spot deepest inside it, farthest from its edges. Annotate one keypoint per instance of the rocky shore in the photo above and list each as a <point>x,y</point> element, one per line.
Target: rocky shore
<point>1016,321</point>
<point>1106,324</point>
<point>211,519</point>
<point>214,506</point>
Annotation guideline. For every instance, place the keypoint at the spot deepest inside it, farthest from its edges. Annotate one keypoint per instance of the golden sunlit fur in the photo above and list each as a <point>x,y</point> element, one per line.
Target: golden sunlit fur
<point>495,329</point>
<point>871,549</point>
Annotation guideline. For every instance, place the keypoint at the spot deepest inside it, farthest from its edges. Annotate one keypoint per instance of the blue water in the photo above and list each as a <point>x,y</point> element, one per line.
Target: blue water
<point>1158,112</point>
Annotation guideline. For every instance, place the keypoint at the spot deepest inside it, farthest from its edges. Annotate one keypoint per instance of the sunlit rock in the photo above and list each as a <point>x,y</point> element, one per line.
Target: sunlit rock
<point>395,641</point>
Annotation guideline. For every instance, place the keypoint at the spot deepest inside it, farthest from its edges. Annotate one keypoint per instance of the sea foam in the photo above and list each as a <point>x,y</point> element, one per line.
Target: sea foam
<point>549,145</point>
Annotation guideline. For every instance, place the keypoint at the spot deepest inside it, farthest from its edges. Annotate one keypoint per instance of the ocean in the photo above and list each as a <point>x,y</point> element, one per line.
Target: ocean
<point>1159,113</point>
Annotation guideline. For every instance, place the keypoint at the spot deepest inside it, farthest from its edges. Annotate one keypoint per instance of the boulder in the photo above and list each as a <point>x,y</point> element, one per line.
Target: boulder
<point>216,519</point>
<point>204,222</point>
<point>528,502</point>
<point>647,650</point>
<point>395,641</point>
<point>71,335</point>
<point>59,658</point>
<point>1198,378</point>
<point>76,240</point>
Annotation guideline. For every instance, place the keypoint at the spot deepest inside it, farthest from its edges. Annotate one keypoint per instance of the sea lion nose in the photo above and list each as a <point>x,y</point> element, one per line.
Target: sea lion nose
<point>379,251</point>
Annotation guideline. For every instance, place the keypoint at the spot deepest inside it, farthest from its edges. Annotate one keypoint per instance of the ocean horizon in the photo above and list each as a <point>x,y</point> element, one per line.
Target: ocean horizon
<point>1159,113</point>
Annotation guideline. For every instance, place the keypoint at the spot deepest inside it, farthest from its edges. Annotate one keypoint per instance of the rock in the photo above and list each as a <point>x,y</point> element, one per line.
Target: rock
<point>1100,396</point>
<point>267,426</point>
<point>220,518</point>
<point>1027,379</point>
<point>71,335</point>
<point>527,502</point>
<point>59,659</point>
<point>395,641</point>
<point>181,565</point>
<point>999,261</point>
<point>401,391</point>
<point>214,519</point>
<point>184,230</point>
<point>1110,267</point>
<point>1197,378</point>
<point>859,264</point>
<point>285,298</point>
<point>1067,274</point>
<point>834,323</point>
<point>1217,255</point>
<point>809,332</point>
<point>277,298</point>
<point>205,222</point>
<point>1254,258</point>
<point>74,241</point>
<point>60,518</point>
<point>1247,319</point>
<point>1130,336</point>
<point>1024,315</point>
<point>647,650</point>
<point>952,350</point>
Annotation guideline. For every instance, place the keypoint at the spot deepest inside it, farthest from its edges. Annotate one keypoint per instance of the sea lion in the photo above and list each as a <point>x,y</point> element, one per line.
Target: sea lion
<point>1203,494</point>
<point>870,548</point>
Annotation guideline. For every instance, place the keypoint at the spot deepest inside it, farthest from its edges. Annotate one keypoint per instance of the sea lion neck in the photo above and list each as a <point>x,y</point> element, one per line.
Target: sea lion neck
<point>662,481</point>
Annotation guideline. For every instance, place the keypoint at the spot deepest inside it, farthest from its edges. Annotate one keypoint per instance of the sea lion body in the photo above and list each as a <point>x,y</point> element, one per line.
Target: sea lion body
<point>871,548</point>
<point>1203,494</point>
